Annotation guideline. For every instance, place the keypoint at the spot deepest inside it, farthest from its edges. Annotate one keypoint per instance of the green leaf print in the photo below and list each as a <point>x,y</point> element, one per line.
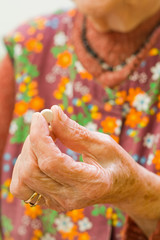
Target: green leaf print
<point>72,73</point>
<point>87,113</point>
<point>57,50</point>
<point>74,117</point>
<point>120,215</point>
<point>21,132</point>
<point>153,85</point>
<point>99,210</point>
<point>7,224</point>
<point>10,50</point>
<point>80,119</point>
<point>72,70</point>
<point>48,219</point>
<point>110,92</point>
<point>65,101</point>
<point>32,70</point>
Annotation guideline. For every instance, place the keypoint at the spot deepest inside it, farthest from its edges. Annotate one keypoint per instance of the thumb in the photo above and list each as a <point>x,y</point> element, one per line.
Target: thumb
<point>73,135</point>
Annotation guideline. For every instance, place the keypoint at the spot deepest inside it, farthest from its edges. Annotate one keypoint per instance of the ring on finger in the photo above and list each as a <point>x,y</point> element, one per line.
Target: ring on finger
<point>35,196</point>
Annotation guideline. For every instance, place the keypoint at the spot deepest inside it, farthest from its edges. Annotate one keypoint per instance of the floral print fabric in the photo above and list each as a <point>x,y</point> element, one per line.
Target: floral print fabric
<point>47,72</point>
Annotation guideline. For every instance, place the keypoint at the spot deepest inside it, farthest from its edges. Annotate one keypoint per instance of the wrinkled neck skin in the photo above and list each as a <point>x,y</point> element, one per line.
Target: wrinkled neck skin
<point>117,15</point>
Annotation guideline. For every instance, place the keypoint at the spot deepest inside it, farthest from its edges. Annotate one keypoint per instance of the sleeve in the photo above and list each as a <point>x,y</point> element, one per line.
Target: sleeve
<point>131,231</point>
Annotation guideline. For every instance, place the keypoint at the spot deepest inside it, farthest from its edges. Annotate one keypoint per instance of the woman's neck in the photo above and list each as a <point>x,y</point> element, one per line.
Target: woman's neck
<point>124,17</point>
<point>115,47</point>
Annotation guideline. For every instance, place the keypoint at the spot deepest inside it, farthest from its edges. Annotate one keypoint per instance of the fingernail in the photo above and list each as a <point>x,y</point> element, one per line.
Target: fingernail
<point>57,110</point>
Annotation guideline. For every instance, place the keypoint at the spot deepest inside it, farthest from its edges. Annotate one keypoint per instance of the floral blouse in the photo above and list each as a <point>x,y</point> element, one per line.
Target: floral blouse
<point>47,72</point>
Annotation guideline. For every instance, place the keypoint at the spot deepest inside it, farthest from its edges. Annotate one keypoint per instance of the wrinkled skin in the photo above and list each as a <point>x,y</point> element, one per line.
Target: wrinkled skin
<point>117,15</point>
<point>107,175</point>
<point>64,183</point>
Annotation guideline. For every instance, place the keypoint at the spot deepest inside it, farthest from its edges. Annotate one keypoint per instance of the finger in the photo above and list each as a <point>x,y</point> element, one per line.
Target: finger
<point>55,164</point>
<point>17,187</point>
<point>27,177</point>
<point>75,136</point>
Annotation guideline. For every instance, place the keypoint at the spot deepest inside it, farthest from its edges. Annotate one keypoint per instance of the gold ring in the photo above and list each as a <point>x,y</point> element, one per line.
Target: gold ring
<point>35,196</point>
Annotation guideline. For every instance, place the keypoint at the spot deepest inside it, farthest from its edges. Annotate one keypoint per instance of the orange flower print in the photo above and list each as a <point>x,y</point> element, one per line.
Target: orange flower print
<point>154,52</point>
<point>58,95</point>
<point>72,12</point>
<point>156,160</point>
<point>64,59</point>
<point>133,92</point>
<point>109,213</point>
<point>33,212</point>
<point>34,45</point>
<point>116,138</point>
<point>133,118</point>
<point>109,125</point>
<point>32,89</point>
<point>87,98</point>
<point>107,107</point>
<point>86,75</point>
<point>84,236</point>
<point>71,235</point>
<point>22,87</point>
<point>31,30</point>
<point>144,121</point>
<point>96,115</point>
<point>120,97</point>
<point>37,234</point>
<point>158,101</point>
<point>37,103</point>
<point>21,108</point>
<point>158,117</point>
<point>18,37</point>
<point>10,198</point>
<point>40,23</point>
<point>76,214</point>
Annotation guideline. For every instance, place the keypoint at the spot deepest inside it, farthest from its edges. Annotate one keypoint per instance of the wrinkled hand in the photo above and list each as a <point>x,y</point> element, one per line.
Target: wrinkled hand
<point>104,176</point>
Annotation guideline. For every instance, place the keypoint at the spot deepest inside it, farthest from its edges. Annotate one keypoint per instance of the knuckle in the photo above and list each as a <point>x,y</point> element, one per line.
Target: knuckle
<point>81,132</point>
<point>46,165</point>
<point>14,188</point>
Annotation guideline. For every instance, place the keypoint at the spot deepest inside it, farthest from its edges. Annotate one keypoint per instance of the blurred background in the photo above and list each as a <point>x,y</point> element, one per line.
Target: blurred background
<point>13,13</point>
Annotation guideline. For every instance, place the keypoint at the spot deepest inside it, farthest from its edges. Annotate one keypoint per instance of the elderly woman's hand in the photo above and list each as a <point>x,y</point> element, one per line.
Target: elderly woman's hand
<point>107,174</point>
<point>103,177</point>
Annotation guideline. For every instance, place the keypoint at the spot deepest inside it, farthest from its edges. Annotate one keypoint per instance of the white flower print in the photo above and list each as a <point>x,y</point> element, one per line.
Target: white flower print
<point>148,140</point>
<point>118,128</point>
<point>156,71</point>
<point>28,116</point>
<point>69,89</point>
<point>60,39</point>
<point>150,158</point>
<point>36,224</point>
<point>79,87</point>
<point>13,128</point>
<point>64,223</point>
<point>143,78</point>
<point>79,67</point>
<point>84,224</point>
<point>17,50</point>
<point>91,126</point>
<point>22,230</point>
<point>141,102</point>
<point>26,220</point>
<point>134,76</point>
<point>47,236</point>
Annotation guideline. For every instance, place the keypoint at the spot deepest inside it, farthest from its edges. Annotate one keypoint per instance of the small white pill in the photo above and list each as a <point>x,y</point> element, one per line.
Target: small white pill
<point>47,114</point>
